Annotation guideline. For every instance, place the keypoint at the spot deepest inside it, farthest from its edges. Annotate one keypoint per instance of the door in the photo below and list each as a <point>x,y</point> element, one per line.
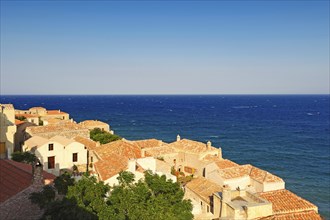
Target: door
<point>2,149</point>
<point>51,162</point>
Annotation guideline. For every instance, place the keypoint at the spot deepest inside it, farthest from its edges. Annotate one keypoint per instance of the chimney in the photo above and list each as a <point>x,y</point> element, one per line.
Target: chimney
<point>226,194</point>
<point>208,145</point>
<point>37,173</point>
<point>143,153</point>
<point>59,110</point>
<point>178,138</point>
<point>98,144</point>
<point>131,165</point>
<point>220,153</point>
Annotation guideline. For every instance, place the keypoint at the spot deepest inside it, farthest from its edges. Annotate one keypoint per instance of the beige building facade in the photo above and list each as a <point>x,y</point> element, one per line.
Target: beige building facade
<point>43,114</point>
<point>58,153</point>
<point>7,130</point>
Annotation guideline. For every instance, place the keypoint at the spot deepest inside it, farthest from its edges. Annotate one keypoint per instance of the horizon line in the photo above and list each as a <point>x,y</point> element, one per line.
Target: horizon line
<point>143,94</point>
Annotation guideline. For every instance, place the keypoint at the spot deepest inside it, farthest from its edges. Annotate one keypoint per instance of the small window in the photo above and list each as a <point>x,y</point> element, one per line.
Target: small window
<point>92,159</point>
<point>51,162</point>
<point>74,157</point>
<point>208,208</point>
<point>50,147</point>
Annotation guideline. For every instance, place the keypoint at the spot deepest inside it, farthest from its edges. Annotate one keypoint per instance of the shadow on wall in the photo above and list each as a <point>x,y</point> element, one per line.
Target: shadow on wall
<point>21,135</point>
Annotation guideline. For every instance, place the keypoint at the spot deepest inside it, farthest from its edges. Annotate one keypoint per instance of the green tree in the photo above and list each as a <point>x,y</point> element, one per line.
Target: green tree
<point>153,198</point>
<point>67,209</point>
<point>63,182</point>
<point>103,137</point>
<point>149,199</point>
<point>43,198</point>
<point>25,157</point>
<point>89,194</point>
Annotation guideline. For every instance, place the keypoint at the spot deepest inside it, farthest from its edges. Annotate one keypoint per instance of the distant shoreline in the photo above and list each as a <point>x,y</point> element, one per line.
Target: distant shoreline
<point>232,95</point>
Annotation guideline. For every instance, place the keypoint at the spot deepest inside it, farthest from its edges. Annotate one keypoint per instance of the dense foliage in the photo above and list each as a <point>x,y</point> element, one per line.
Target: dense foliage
<point>63,182</point>
<point>103,137</point>
<point>43,198</point>
<point>21,118</point>
<point>153,198</point>
<point>25,157</point>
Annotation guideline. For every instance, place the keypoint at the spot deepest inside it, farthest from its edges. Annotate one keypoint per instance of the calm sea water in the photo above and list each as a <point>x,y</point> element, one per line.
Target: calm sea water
<point>286,135</point>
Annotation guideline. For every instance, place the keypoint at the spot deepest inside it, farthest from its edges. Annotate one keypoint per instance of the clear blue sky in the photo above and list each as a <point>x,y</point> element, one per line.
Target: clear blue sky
<point>239,47</point>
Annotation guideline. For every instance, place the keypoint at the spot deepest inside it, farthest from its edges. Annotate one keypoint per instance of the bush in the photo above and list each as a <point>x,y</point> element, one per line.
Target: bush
<point>21,118</point>
<point>25,157</point>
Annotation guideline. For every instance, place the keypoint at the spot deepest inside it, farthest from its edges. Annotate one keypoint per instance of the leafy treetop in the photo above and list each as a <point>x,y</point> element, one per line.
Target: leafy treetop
<point>103,137</point>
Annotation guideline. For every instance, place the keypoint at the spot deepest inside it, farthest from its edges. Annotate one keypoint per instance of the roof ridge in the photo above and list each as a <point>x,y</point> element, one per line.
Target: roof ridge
<point>12,163</point>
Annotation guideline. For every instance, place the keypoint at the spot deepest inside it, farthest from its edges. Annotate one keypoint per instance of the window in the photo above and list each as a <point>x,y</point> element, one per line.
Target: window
<point>50,147</point>
<point>91,159</point>
<point>74,157</point>
<point>208,208</point>
<point>51,162</point>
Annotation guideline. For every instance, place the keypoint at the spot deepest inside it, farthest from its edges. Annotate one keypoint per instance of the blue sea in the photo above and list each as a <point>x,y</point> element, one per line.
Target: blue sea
<point>287,135</point>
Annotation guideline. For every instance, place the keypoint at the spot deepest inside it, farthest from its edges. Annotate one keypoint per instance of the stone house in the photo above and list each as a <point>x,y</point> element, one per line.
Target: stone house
<point>44,114</point>
<point>58,153</point>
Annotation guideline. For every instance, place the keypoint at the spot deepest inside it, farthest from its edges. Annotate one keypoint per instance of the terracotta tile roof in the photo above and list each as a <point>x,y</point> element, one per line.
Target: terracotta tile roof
<point>234,172</point>
<point>54,120</point>
<point>110,165</point>
<point>203,188</point>
<point>67,126</point>
<point>285,202</point>
<point>247,170</point>
<point>18,122</point>
<point>62,140</point>
<point>93,123</point>
<point>90,144</point>
<point>26,115</point>
<point>7,106</point>
<point>149,143</point>
<point>16,177</point>
<point>221,163</point>
<point>121,148</point>
<point>262,175</point>
<point>190,146</point>
<point>309,215</point>
<point>159,151</point>
<point>56,112</point>
<point>35,141</point>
